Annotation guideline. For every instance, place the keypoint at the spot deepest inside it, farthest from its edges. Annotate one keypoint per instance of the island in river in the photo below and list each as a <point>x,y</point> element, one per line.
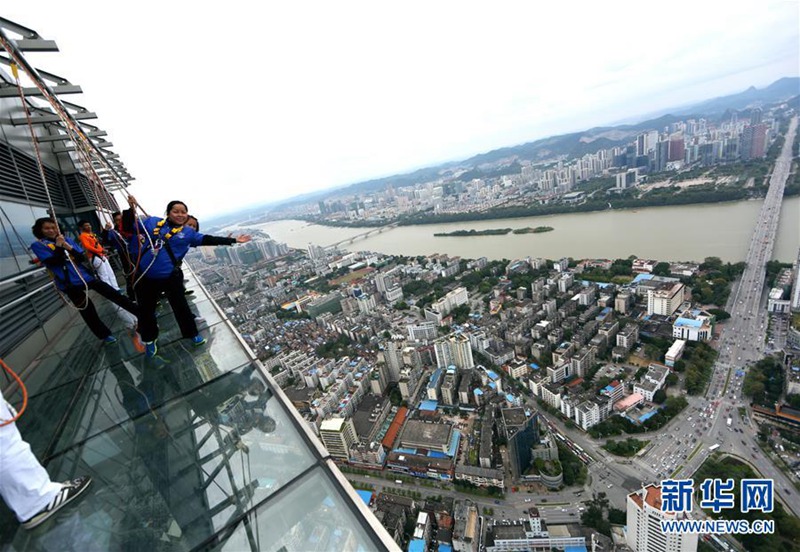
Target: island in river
<point>487,232</point>
<point>537,230</point>
<point>494,232</point>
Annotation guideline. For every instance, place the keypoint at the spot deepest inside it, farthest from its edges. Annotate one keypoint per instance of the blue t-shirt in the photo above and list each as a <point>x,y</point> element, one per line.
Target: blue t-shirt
<point>64,272</point>
<point>157,264</point>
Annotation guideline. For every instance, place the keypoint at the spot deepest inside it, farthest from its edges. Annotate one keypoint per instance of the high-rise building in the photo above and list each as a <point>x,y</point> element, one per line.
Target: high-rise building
<point>753,141</point>
<point>423,331</point>
<point>677,148</point>
<point>338,435</point>
<point>666,299</point>
<point>410,381</point>
<point>315,252</point>
<point>521,428</point>
<point>392,355</point>
<point>644,518</point>
<point>449,388</point>
<point>454,350</point>
<point>756,115</point>
<point>216,453</point>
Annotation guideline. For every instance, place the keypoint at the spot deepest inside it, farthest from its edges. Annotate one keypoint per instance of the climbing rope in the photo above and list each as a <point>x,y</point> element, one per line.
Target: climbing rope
<point>85,152</point>
<point>40,166</point>
<point>24,395</point>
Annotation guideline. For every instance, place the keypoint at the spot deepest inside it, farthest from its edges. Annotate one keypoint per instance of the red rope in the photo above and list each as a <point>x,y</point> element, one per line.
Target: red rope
<point>24,395</point>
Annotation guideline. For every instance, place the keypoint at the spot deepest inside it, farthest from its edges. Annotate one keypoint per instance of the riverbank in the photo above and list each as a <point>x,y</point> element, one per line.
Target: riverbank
<point>704,194</point>
<point>721,230</point>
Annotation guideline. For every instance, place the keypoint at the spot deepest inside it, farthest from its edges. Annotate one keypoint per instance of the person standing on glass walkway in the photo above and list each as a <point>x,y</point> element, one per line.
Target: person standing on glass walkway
<point>159,246</point>
<point>63,258</point>
<point>25,485</point>
<point>98,258</point>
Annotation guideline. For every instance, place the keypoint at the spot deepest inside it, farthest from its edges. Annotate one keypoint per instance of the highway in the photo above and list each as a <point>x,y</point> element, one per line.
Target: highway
<point>678,449</point>
<point>741,343</point>
<point>559,507</point>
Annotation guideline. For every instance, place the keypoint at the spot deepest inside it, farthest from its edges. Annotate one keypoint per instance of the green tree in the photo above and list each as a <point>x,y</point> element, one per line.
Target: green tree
<point>661,269</point>
<point>617,516</point>
<point>719,314</point>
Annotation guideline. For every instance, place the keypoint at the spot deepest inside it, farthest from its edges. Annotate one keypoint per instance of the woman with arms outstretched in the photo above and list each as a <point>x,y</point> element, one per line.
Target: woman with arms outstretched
<point>160,248</point>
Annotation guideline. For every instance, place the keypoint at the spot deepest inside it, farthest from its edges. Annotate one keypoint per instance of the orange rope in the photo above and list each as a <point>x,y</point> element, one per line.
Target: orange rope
<point>24,395</point>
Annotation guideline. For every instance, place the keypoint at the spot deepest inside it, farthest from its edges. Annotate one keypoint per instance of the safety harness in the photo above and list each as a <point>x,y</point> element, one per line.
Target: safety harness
<point>157,244</point>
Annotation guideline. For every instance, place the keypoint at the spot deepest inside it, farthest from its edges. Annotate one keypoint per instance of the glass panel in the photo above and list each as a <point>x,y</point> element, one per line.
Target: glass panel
<point>126,391</point>
<point>311,516</point>
<point>39,423</point>
<point>79,353</point>
<point>173,476</point>
<point>16,221</point>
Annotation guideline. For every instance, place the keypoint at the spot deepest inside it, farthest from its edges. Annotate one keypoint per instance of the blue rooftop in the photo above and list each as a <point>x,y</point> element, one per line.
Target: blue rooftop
<point>416,545</point>
<point>688,322</point>
<point>454,440</point>
<point>366,496</point>
<point>641,277</point>
<point>428,405</point>
<point>445,548</point>
<point>435,377</point>
<point>645,417</point>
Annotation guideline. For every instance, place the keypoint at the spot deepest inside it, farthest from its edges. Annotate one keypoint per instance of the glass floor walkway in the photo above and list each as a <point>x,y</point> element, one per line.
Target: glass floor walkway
<point>195,449</point>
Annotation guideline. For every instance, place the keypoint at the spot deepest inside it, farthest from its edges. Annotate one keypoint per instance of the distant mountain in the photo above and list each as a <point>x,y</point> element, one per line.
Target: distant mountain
<point>778,91</point>
<point>574,144</point>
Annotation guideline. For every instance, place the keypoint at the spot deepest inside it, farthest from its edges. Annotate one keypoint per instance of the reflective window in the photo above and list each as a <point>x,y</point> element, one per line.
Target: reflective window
<point>310,515</point>
<point>16,221</point>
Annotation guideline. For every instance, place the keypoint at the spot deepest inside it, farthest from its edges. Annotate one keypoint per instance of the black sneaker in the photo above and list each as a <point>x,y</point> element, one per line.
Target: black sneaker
<point>70,490</point>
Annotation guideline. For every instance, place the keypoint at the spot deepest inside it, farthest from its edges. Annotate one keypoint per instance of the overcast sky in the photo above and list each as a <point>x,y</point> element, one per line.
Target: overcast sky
<point>230,106</point>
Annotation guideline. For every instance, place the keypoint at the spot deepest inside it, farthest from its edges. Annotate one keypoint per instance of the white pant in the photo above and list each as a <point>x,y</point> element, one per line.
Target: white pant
<point>106,274</point>
<point>24,484</point>
<point>104,271</point>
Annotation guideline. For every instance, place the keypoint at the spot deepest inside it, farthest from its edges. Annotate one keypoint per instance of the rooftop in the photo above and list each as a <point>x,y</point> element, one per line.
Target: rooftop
<point>419,434</point>
<point>514,417</point>
<point>650,494</point>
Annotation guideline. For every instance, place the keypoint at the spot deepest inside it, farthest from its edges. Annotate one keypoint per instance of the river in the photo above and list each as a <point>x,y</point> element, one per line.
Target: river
<point>677,233</point>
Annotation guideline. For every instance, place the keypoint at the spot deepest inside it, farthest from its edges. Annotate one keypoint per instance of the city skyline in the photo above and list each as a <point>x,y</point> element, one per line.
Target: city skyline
<point>359,93</point>
<point>337,394</point>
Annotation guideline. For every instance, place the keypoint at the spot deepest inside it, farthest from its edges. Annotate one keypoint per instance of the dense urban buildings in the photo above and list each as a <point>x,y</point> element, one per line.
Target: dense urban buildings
<point>476,404</point>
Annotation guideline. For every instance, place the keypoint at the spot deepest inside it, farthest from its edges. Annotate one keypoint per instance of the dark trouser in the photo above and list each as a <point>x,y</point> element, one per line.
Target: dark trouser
<point>81,299</point>
<point>147,293</point>
<point>130,274</point>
